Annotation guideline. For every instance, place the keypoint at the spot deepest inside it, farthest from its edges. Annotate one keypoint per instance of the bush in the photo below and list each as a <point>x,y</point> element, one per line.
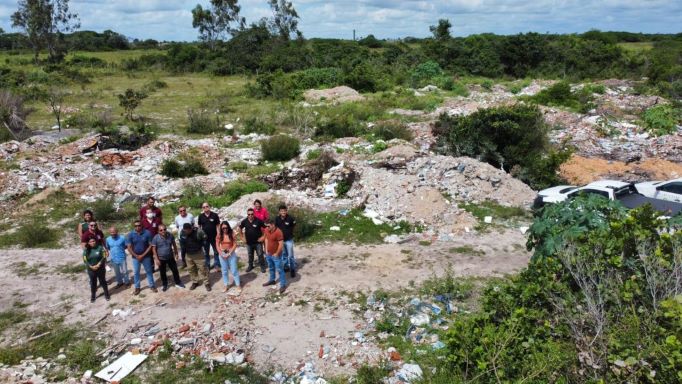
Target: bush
<point>237,166</point>
<point>661,120</point>
<point>183,168</point>
<point>90,120</point>
<point>33,234</point>
<point>560,94</point>
<point>258,125</point>
<point>514,138</point>
<point>194,195</point>
<point>314,154</point>
<point>392,129</point>
<point>425,73</point>
<point>280,148</point>
<point>154,85</point>
<point>130,100</point>
<point>202,122</point>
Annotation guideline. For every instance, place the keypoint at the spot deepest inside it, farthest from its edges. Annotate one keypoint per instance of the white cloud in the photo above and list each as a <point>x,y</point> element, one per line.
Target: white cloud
<point>172,19</point>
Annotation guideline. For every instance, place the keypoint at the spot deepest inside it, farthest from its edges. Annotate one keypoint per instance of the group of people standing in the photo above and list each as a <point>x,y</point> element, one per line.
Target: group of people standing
<point>151,245</point>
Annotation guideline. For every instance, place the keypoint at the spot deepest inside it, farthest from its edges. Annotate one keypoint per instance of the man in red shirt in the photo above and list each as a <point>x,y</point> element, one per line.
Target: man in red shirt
<point>151,205</point>
<point>274,242</point>
<point>93,232</point>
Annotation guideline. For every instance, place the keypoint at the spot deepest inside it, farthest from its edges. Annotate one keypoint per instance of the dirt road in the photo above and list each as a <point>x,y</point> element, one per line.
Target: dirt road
<point>282,331</point>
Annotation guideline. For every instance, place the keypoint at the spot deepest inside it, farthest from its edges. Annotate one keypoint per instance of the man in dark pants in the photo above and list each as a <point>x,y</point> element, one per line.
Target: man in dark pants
<point>286,224</point>
<point>194,239</point>
<point>251,230</point>
<point>208,222</point>
<point>165,255</point>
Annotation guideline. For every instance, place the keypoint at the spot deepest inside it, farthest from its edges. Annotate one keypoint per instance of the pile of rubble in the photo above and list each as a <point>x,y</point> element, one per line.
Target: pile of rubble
<point>340,94</point>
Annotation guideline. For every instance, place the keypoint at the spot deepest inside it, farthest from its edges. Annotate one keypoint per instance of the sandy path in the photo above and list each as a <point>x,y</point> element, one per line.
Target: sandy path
<point>283,323</point>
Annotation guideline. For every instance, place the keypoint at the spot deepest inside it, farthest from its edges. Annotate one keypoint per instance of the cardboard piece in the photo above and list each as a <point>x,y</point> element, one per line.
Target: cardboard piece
<point>121,368</point>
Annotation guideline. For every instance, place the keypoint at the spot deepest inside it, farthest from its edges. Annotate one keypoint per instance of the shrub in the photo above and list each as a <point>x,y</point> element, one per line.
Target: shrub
<point>424,73</point>
<point>154,85</point>
<point>130,100</point>
<point>194,195</point>
<point>183,168</point>
<point>280,148</point>
<point>202,122</point>
<point>560,94</point>
<point>258,125</point>
<point>237,166</point>
<point>660,120</point>
<point>13,116</point>
<point>514,138</point>
<point>365,77</point>
<point>314,154</point>
<point>392,129</point>
<point>90,120</point>
<point>33,234</point>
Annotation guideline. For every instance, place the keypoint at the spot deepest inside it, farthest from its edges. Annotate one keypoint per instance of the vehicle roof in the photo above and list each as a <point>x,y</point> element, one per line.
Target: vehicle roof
<point>557,189</point>
<point>610,184</point>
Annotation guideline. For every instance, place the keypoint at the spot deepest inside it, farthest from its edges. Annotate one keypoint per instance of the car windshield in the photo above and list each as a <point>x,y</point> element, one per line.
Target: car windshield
<point>566,190</point>
<point>622,192</point>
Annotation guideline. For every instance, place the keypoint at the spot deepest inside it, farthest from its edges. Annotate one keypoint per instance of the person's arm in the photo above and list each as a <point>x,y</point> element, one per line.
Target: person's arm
<point>155,255</point>
<point>280,245</point>
<point>174,247</point>
<point>217,244</point>
<point>80,229</point>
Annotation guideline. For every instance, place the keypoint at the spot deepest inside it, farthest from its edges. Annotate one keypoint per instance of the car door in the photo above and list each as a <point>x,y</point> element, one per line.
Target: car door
<point>671,192</point>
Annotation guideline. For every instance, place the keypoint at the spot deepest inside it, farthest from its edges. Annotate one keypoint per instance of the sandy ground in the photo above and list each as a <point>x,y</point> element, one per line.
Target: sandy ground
<point>292,329</point>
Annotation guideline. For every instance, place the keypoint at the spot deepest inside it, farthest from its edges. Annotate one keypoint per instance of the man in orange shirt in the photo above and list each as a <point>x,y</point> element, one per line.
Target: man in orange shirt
<point>274,242</point>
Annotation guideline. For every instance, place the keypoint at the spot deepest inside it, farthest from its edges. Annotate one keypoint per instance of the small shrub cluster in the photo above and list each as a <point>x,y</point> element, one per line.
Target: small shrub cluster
<point>194,195</point>
<point>560,94</point>
<point>183,167</point>
<point>258,125</point>
<point>513,138</point>
<point>280,148</point>
<point>661,119</point>
<point>154,85</point>
<point>90,120</point>
<point>140,135</point>
<point>202,122</point>
<point>32,234</point>
<point>392,129</point>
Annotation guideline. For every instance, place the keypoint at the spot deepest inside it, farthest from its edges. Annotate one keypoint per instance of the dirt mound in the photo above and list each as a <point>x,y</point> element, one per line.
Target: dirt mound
<point>581,170</point>
<point>340,94</point>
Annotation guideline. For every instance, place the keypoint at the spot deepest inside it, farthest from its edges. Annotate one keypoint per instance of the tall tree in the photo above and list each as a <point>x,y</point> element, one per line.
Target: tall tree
<point>442,30</point>
<point>44,22</point>
<point>284,20</point>
<point>218,22</point>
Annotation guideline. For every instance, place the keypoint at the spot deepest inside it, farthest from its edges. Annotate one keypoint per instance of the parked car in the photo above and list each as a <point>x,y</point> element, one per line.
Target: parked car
<point>670,190</point>
<point>610,189</point>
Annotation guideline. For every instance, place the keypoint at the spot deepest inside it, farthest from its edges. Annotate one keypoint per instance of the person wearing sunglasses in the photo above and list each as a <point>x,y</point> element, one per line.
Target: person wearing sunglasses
<point>251,230</point>
<point>88,216</point>
<point>183,217</point>
<point>93,232</point>
<point>165,256</point>
<point>227,245</point>
<point>208,222</point>
<point>140,247</point>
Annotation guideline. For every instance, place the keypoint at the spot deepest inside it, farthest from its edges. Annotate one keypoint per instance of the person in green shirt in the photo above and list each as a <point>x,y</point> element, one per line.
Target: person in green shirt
<point>95,258</point>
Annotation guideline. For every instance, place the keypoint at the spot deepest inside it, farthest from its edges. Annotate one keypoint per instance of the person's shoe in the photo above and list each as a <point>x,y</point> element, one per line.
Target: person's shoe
<point>165,288</point>
<point>119,286</point>
<point>262,270</point>
<point>271,282</point>
<point>249,269</point>
<point>92,299</point>
<point>227,288</point>
<point>282,290</point>
<point>136,291</point>
<point>293,273</point>
<point>154,289</point>
<point>107,298</point>
<point>208,287</point>
<point>193,286</point>
<point>181,285</point>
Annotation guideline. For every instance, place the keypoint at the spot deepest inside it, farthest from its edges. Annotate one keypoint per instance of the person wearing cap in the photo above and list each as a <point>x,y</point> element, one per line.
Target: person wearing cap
<point>183,217</point>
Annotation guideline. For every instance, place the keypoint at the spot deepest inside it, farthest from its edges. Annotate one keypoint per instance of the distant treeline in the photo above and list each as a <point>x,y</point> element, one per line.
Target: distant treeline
<point>80,41</point>
<point>284,67</point>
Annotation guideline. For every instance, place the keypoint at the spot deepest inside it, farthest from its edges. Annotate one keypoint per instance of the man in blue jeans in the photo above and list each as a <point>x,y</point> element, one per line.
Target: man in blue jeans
<point>286,224</point>
<point>139,245</point>
<point>116,245</point>
<point>274,243</point>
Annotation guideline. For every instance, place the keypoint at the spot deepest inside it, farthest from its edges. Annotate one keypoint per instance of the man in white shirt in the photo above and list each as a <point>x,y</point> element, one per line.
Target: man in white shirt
<point>182,218</point>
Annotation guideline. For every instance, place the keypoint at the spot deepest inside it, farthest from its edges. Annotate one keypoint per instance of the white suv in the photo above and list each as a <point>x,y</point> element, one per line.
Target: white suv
<point>670,190</point>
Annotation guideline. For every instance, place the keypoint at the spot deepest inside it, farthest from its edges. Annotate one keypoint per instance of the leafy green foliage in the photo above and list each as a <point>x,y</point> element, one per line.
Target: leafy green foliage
<point>258,125</point>
<point>194,195</point>
<point>202,122</point>
<point>130,100</point>
<point>514,138</point>
<point>560,94</point>
<point>280,148</point>
<point>33,234</point>
<point>183,168</point>
<point>392,129</point>
<point>661,119</point>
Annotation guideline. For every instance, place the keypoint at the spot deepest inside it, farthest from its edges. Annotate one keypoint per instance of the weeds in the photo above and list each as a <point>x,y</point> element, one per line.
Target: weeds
<point>280,148</point>
<point>467,250</point>
<point>202,122</point>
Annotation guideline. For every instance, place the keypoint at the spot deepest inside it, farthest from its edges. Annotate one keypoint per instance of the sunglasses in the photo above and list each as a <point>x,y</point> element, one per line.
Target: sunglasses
<point>162,230</point>
<point>249,214</point>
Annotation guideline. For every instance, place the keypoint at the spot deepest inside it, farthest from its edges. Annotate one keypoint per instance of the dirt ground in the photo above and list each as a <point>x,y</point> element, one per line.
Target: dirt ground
<point>581,170</point>
<point>290,324</point>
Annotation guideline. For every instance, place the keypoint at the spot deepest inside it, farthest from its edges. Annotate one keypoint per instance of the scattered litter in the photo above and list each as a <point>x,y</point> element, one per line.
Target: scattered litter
<point>409,373</point>
<point>121,368</point>
<point>335,228</point>
<point>420,319</point>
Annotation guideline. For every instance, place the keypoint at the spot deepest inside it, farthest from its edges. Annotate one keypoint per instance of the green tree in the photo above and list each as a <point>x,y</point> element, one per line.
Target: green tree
<point>44,22</point>
<point>217,22</point>
<point>130,100</point>
<point>55,98</point>
<point>284,21</point>
<point>442,30</point>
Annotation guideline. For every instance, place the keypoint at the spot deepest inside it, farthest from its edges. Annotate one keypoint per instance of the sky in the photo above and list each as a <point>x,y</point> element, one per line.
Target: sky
<point>172,19</point>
